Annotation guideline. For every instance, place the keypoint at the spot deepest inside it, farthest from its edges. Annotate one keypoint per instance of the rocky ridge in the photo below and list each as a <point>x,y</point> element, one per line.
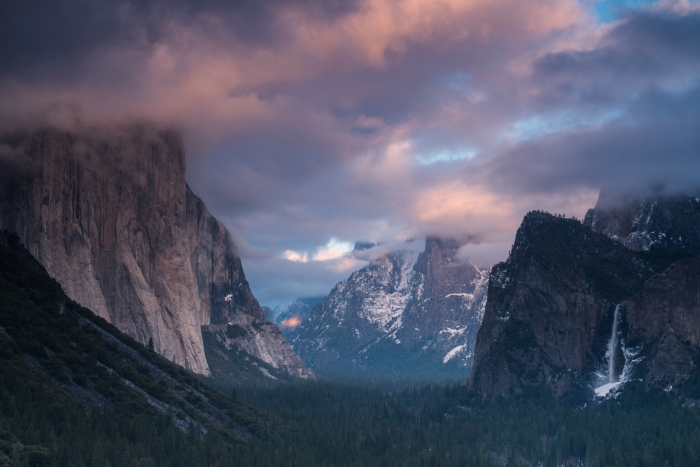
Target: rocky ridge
<point>402,313</point>
<point>109,214</point>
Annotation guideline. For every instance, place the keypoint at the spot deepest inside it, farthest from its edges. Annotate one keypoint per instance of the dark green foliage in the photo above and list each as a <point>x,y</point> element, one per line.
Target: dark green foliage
<point>64,401</point>
<point>76,391</point>
<point>233,331</point>
<point>345,423</point>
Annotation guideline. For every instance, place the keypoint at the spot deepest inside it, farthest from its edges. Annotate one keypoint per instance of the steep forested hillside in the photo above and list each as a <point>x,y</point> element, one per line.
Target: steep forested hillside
<point>74,390</point>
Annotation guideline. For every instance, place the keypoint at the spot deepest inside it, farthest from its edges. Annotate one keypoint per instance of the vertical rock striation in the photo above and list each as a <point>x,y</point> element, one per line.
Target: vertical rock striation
<point>108,213</point>
<point>663,325</point>
<point>448,304</point>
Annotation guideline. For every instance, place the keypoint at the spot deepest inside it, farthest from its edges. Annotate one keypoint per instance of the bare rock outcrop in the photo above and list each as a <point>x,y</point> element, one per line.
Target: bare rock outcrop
<point>108,213</point>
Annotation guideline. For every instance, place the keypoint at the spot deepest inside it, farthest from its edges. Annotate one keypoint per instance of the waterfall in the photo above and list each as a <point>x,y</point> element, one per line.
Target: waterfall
<point>612,347</point>
<point>602,391</point>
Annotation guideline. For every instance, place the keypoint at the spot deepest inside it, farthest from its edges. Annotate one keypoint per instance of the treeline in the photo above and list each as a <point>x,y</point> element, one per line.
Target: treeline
<point>405,424</point>
<point>340,423</point>
<point>40,426</point>
<point>76,392</point>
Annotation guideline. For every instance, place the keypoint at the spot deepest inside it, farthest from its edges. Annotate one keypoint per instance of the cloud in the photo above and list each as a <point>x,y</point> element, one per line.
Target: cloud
<point>457,205</point>
<point>291,255</point>
<point>334,249</point>
<point>642,82</point>
<point>292,322</point>
<point>378,120</point>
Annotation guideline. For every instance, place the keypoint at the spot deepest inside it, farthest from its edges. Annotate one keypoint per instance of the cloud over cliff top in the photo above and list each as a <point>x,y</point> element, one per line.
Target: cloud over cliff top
<point>380,120</point>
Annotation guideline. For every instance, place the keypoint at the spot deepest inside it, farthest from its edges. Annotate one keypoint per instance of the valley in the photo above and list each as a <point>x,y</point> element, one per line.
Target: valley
<point>582,346</point>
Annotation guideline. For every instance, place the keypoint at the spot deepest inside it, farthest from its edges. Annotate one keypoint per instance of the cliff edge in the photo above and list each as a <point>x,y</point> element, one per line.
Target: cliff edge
<point>109,214</point>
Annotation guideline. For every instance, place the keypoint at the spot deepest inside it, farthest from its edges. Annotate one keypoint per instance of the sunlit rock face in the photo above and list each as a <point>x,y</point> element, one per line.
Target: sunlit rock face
<point>110,216</point>
<point>549,318</point>
<point>403,313</point>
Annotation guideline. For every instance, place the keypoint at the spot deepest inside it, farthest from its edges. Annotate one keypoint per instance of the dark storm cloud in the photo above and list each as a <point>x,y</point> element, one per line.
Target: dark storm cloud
<point>645,76</point>
<point>36,32</point>
<point>310,120</point>
<point>645,50</point>
<point>622,156</point>
<point>57,40</point>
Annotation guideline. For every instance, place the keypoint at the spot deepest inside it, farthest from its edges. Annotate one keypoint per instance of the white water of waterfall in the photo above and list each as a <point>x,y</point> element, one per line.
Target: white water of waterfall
<point>612,348</point>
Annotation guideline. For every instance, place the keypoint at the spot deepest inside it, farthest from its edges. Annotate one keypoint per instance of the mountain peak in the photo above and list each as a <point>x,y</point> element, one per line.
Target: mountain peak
<point>403,313</point>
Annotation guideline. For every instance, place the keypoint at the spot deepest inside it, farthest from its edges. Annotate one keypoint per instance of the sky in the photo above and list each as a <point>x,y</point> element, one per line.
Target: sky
<point>310,125</point>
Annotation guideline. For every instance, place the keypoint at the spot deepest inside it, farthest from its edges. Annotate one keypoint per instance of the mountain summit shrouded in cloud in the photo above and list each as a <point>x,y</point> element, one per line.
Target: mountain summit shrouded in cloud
<point>311,125</point>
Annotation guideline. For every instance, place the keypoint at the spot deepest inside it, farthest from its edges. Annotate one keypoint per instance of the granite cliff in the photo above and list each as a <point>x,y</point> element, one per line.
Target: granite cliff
<point>583,306</point>
<point>109,214</point>
<point>666,223</point>
<point>661,326</point>
<point>404,313</point>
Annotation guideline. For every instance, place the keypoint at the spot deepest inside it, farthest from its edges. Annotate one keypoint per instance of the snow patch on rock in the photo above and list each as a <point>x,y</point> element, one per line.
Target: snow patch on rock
<point>452,353</point>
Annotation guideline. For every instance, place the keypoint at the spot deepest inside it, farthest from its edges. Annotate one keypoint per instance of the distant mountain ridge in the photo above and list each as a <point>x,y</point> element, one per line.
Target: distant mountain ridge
<point>404,313</point>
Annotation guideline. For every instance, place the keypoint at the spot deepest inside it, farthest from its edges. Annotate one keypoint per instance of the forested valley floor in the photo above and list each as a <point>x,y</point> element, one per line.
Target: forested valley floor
<point>346,423</point>
<point>75,391</point>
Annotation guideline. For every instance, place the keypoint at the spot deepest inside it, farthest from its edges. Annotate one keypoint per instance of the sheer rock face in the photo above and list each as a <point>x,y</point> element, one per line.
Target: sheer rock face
<point>449,301</point>
<point>550,306</point>
<point>264,341</point>
<point>670,223</point>
<point>402,313</point>
<point>663,324</point>
<point>111,218</point>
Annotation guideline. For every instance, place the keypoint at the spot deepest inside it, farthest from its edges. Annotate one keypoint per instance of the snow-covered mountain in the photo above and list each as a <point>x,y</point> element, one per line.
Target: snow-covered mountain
<point>404,313</point>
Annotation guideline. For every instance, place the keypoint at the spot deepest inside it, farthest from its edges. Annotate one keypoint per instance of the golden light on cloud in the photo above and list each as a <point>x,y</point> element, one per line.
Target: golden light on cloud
<point>345,264</point>
<point>383,26</point>
<point>292,322</point>
<point>457,205</point>
<point>334,249</point>
<point>192,78</point>
<point>295,256</point>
